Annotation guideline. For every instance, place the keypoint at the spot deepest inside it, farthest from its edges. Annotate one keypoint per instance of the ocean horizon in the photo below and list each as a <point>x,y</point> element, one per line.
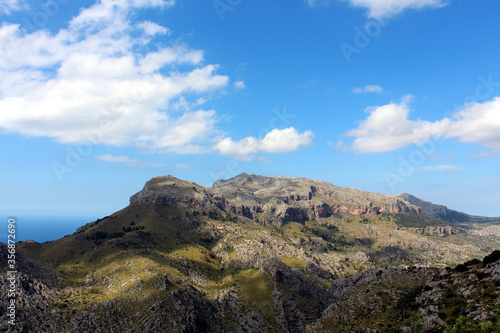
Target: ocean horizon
<point>43,228</point>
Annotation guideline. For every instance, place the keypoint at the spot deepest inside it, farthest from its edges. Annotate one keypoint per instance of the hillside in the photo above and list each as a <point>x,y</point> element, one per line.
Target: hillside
<point>446,214</point>
<point>250,254</point>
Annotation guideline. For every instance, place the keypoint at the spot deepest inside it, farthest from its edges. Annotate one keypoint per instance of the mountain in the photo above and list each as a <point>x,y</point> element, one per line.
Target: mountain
<point>269,200</point>
<point>443,213</point>
<point>278,200</point>
<point>256,254</point>
<point>427,207</point>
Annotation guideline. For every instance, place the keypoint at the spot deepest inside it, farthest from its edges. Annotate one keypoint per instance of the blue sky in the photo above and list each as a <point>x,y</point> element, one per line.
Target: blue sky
<point>97,97</point>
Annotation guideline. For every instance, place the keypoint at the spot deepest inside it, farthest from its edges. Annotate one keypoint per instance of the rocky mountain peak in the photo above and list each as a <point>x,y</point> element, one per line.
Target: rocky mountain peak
<point>269,200</point>
<point>171,191</point>
<point>256,189</point>
<point>243,180</point>
<point>427,207</point>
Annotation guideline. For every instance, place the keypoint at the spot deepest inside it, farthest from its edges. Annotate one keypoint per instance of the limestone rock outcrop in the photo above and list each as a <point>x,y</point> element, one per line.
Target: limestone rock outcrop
<point>270,200</point>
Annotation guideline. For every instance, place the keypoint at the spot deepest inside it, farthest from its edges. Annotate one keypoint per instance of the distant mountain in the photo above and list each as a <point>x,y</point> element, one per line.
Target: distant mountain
<point>257,254</point>
<point>270,200</point>
<point>443,213</point>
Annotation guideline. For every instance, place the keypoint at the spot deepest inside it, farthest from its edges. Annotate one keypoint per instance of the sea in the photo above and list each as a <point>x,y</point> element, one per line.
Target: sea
<point>41,228</point>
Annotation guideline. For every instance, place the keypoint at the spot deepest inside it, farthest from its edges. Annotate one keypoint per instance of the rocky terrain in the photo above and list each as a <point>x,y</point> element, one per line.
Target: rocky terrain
<point>260,254</point>
<point>417,299</point>
<point>446,214</point>
<point>427,207</point>
<point>279,200</point>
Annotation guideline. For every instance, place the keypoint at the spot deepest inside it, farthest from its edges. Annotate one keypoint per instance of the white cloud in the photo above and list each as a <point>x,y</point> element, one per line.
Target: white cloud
<point>388,128</point>
<point>183,166</point>
<point>243,150</point>
<point>115,159</point>
<point>151,28</point>
<point>276,141</point>
<point>484,154</point>
<point>9,6</point>
<point>381,9</point>
<point>125,160</point>
<point>103,77</point>
<point>478,123</point>
<point>285,140</point>
<point>371,88</point>
<point>317,3</point>
<point>239,85</point>
<point>447,168</point>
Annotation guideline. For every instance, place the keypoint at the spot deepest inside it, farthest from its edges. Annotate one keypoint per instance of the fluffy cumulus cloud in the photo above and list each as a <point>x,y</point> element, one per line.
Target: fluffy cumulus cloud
<point>109,79</point>
<point>478,123</point>
<point>275,141</point>
<point>104,77</point>
<point>380,9</point>
<point>371,88</point>
<point>388,127</point>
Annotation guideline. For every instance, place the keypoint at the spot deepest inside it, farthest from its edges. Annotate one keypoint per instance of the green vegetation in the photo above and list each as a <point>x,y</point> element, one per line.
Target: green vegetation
<point>467,325</point>
<point>257,288</point>
<point>411,220</point>
<point>454,216</point>
<point>293,262</point>
<point>492,257</point>
<point>184,261</point>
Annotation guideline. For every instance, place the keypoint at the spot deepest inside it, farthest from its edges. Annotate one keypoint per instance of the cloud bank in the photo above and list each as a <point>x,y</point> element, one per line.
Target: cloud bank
<point>388,127</point>
<point>109,79</point>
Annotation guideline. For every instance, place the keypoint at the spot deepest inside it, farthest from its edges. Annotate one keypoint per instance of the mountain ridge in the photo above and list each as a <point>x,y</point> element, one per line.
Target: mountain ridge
<point>444,213</point>
<point>271,200</point>
<point>253,254</point>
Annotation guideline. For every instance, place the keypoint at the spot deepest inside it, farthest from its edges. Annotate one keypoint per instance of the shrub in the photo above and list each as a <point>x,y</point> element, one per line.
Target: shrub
<point>463,325</point>
<point>461,268</point>
<point>412,220</point>
<point>472,262</point>
<point>492,257</point>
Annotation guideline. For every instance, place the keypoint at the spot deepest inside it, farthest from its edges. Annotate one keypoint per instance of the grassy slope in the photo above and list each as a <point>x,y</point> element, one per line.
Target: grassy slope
<point>458,217</point>
<point>132,268</point>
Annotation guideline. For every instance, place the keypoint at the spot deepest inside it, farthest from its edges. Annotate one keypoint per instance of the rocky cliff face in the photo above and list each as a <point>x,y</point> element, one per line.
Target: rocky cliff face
<point>446,214</point>
<point>171,191</point>
<point>270,200</point>
<point>427,207</point>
